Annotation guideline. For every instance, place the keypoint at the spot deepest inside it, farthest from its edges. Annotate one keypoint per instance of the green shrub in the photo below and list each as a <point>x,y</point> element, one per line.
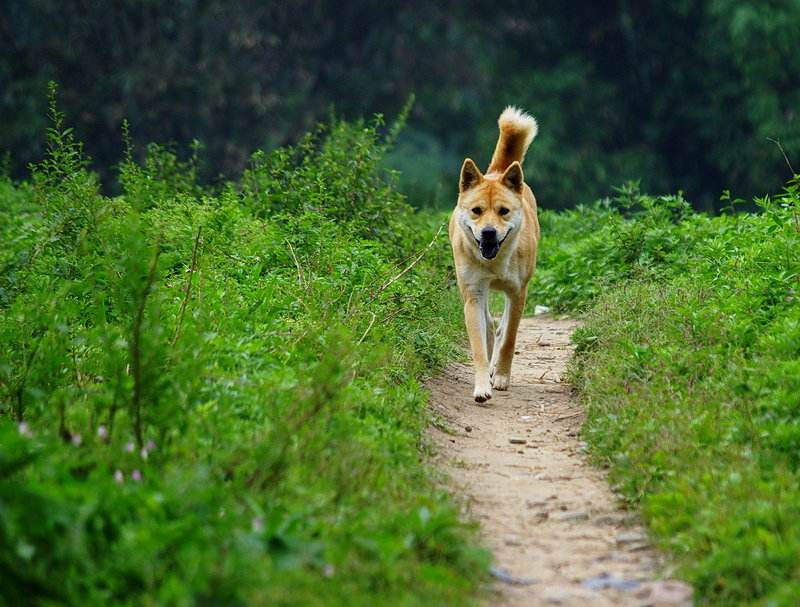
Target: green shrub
<point>689,363</point>
<point>214,397</point>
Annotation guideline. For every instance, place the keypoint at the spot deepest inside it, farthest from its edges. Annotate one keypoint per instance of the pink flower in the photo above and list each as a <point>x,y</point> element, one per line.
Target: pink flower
<point>150,445</point>
<point>129,447</point>
<point>24,429</point>
<point>102,431</point>
<point>136,475</point>
<point>119,477</point>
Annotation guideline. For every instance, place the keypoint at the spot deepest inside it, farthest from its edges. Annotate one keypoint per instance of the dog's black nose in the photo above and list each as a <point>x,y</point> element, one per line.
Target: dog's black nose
<point>488,234</point>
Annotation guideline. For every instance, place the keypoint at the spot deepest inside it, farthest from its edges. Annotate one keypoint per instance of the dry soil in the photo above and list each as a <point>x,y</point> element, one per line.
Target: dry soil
<point>557,531</point>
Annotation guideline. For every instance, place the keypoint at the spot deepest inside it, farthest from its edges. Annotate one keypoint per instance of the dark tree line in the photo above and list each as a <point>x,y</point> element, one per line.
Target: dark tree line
<point>677,93</point>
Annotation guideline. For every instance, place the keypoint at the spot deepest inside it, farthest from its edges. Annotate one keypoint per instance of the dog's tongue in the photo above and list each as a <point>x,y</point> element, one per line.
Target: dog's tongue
<point>489,249</point>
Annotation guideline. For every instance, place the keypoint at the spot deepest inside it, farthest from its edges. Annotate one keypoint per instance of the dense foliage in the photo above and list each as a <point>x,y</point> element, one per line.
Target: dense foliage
<point>679,93</point>
<point>689,363</point>
<point>213,397</point>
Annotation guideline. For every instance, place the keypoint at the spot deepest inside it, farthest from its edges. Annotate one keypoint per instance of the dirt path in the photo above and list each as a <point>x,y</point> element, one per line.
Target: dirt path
<point>556,530</point>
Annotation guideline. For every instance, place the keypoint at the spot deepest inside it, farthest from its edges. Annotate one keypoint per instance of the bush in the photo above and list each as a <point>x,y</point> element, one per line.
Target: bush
<point>690,368</point>
<point>213,397</point>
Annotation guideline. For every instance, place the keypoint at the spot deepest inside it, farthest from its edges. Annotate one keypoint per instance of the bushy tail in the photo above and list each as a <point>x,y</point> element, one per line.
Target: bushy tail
<point>517,130</point>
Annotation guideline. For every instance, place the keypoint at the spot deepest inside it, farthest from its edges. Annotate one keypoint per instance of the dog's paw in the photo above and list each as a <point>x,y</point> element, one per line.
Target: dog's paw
<point>500,381</point>
<point>482,393</point>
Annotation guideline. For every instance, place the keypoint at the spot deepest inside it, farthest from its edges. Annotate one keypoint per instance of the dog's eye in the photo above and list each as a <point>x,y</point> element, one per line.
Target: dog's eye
<point>503,211</point>
<point>477,210</point>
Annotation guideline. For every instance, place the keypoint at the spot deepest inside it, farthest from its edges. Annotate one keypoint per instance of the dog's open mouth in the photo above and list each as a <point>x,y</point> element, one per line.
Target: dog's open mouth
<point>490,248</point>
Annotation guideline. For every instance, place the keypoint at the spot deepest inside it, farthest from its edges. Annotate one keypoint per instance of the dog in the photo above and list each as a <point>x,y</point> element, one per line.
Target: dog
<point>494,233</point>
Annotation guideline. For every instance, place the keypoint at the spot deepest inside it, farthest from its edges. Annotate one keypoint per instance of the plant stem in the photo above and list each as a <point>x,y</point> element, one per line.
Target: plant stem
<point>136,347</point>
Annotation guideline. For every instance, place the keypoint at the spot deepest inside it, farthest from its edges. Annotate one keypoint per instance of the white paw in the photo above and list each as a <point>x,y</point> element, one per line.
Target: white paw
<point>500,381</point>
<point>482,392</point>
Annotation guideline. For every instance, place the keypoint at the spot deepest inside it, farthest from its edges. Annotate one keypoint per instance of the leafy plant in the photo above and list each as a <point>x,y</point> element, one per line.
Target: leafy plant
<point>213,396</point>
<point>689,364</point>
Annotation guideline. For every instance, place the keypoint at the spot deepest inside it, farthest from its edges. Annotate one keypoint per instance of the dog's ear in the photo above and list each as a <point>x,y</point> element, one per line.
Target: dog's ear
<point>470,176</point>
<point>513,178</point>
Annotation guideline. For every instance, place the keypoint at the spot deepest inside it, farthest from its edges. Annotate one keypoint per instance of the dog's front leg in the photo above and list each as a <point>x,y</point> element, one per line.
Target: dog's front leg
<point>505,355</point>
<point>475,319</point>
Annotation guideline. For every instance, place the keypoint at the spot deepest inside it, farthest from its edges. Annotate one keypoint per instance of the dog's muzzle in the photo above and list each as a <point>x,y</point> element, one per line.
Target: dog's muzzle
<point>488,243</point>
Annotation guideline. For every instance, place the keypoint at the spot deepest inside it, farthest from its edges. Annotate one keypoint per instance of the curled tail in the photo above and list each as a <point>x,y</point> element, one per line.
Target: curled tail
<point>517,130</point>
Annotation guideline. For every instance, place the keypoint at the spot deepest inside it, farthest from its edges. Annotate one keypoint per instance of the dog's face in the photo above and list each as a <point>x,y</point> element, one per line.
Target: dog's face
<point>490,208</point>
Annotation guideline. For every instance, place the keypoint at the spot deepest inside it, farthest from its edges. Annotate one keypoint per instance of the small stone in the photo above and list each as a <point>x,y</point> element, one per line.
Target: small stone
<point>517,441</point>
<point>555,595</point>
<point>631,518</point>
<point>609,519</point>
<point>571,517</point>
<point>666,593</point>
<point>630,537</point>
<point>605,580</point>
<point>468,428</point>
<point>507,578</point>
<point>526,418</point>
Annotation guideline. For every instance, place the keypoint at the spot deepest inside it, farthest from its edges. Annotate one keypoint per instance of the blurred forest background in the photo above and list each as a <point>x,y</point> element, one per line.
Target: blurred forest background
<point>682,94</point>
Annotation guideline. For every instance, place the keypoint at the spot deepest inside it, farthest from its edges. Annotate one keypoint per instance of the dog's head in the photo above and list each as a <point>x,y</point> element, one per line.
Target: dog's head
<point>490,206</point>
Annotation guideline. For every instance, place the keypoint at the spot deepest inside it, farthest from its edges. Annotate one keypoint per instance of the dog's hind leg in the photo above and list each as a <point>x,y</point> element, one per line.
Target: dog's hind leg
<point>498,336</point>
<point>490,332</point>
<point>515,304</point>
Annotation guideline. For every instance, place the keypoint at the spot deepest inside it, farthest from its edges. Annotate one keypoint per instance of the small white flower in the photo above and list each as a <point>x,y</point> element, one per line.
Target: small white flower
<point>119,476</point>
<point>24,429</point>
<point>328,570</point>
<point>102,431</point>
<point>258,524</point>
<point>129,447</point>
<point>76,440</point>
<point>143,453</point>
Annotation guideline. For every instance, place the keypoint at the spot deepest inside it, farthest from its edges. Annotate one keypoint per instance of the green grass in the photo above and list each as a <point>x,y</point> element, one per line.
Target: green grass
<point>689,364</point>
<point>213,396</point>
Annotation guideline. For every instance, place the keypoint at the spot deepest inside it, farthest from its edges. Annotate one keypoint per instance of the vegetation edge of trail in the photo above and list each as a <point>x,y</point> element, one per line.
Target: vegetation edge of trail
<point>214,396</point>
<point>689,366</point>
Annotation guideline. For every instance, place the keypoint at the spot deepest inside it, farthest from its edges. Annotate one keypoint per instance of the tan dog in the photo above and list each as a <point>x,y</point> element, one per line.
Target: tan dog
<point>494,231</point>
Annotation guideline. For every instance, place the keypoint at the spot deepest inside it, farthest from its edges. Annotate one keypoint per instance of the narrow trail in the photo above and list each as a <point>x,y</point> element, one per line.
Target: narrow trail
<point>556,530</point>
